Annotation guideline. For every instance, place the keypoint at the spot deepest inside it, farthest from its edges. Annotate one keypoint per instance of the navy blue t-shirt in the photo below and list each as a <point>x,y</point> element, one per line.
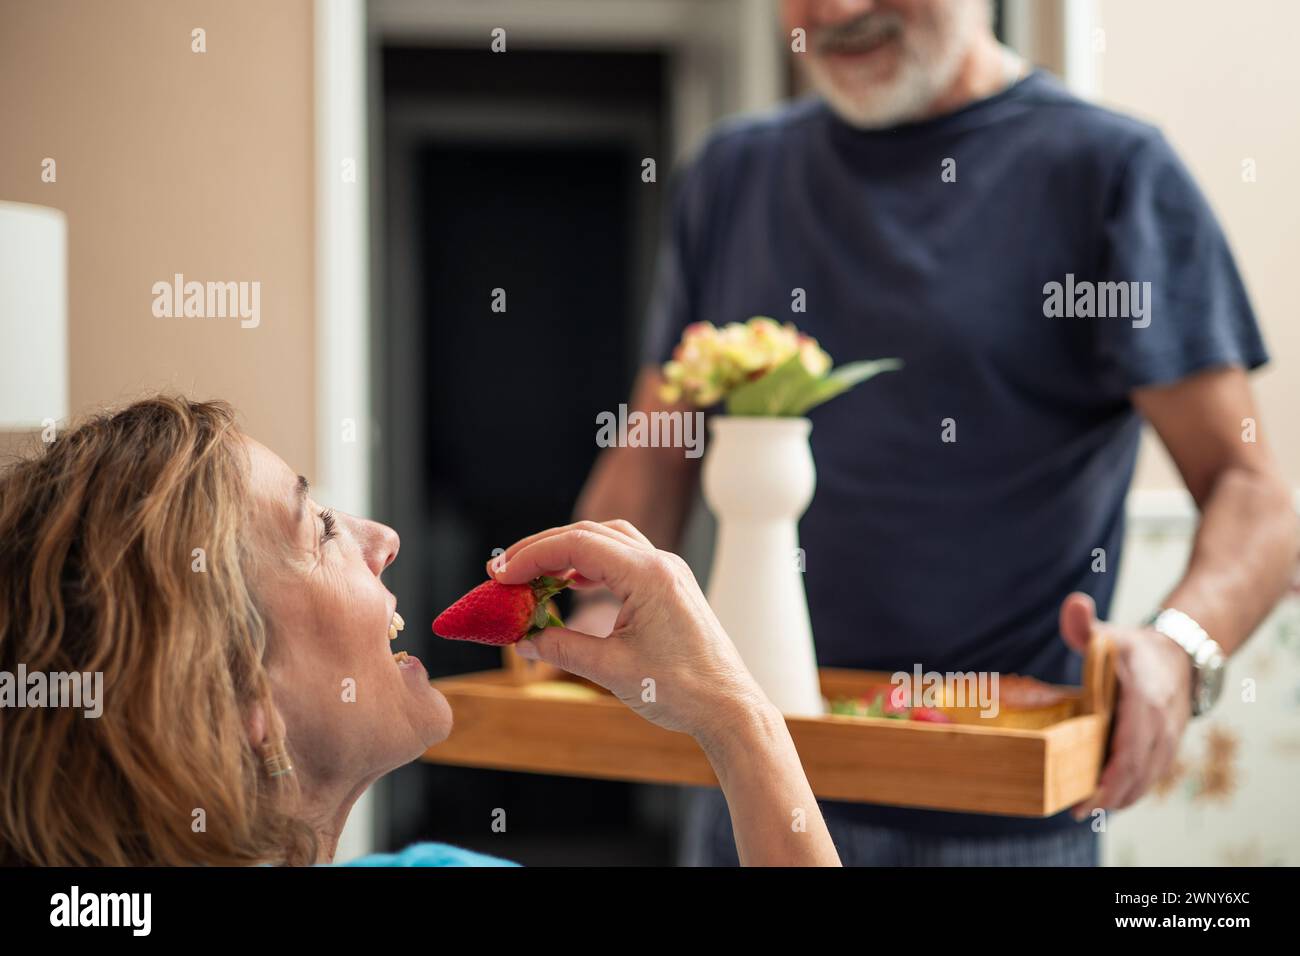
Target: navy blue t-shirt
<point>957,554</point>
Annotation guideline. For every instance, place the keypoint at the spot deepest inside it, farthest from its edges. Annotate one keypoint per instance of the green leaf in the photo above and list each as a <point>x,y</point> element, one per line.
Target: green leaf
<point>840,380</point>
<point>791,390</point>
<point>550,583</point>
<point>542,619</point>
<point>545,588</point>
<point>774,392</point>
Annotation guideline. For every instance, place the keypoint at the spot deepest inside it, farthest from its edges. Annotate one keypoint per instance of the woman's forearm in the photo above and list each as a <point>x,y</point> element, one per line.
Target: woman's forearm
<point>774,814</point>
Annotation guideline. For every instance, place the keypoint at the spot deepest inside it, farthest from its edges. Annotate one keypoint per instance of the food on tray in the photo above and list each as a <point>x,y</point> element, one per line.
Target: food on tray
<point>1020,702</point>
<point>500,614</point>
<point>886,700</point>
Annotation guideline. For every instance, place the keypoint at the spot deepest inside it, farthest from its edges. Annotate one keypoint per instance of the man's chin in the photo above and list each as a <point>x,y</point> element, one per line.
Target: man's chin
<point>875,112</point>
<point>869,102</point>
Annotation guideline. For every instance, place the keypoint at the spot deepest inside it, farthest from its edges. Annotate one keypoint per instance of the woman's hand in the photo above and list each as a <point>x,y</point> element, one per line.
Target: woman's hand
<point>668,658</point>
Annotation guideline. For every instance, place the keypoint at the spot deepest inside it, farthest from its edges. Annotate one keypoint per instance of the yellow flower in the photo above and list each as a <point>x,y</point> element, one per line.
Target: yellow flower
<point>813,356</point>
<point>708,362</point>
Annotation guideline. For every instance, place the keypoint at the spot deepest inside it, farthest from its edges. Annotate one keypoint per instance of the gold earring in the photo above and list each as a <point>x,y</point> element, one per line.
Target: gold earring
<point>276,760</point>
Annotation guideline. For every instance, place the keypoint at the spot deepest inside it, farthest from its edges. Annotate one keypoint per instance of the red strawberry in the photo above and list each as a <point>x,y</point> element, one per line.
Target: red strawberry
<point>893,702</point>
<point>501,613</point>
<point>930,715</point>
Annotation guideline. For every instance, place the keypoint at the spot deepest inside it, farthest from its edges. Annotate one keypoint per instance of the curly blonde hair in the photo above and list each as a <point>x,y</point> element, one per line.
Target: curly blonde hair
<point>99,572</point>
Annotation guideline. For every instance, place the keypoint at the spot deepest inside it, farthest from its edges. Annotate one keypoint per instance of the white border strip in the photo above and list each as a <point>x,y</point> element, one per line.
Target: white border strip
<point>343,291</point>
<point>342,255</point>
<point>1080,67</point>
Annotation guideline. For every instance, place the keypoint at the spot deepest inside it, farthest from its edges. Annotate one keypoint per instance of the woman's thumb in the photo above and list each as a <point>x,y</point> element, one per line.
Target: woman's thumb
<point>572,651</point>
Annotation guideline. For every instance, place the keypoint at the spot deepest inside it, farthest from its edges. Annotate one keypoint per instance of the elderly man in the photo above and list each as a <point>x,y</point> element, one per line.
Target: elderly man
<point>1052,276</point>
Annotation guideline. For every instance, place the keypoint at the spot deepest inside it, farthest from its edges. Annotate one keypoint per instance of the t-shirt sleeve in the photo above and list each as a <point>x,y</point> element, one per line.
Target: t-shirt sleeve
<point>1162,238</point>
<point>674,291</point>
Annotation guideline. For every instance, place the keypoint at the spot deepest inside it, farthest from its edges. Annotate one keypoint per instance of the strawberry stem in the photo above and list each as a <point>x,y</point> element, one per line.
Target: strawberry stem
<point>545,588</point>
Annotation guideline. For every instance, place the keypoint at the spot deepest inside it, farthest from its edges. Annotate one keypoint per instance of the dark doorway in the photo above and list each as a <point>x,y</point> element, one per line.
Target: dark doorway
<point>512,180</point>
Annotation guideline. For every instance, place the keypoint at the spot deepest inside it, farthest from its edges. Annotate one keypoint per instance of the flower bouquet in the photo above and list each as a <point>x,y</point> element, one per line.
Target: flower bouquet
<point>760,368</point>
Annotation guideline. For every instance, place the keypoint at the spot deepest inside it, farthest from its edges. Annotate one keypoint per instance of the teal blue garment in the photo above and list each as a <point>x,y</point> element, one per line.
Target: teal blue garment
<point>430,854</point>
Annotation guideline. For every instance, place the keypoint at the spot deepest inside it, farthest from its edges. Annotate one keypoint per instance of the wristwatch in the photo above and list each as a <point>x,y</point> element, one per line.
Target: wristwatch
<point>1208,659</point>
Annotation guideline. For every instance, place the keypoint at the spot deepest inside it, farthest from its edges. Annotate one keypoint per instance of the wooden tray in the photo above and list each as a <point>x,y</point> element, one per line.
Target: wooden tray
<point>511,719</point>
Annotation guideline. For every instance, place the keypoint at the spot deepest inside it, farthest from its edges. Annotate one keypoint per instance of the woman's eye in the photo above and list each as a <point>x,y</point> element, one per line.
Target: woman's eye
<point>330,525</point>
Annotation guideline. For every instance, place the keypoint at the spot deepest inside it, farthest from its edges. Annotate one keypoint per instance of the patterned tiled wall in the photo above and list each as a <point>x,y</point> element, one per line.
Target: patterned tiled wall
<point>1233,795</point>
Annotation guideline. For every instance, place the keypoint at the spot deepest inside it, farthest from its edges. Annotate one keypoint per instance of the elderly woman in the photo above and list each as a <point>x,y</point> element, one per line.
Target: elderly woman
<point>224,607</point>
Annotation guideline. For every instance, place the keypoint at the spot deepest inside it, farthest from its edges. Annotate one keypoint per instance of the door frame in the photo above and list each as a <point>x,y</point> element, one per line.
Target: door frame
<point>725,57</point>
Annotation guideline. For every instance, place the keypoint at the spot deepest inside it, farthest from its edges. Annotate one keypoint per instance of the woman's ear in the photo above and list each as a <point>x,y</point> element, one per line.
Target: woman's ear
<point>265,729</point>
<point>256,725</point>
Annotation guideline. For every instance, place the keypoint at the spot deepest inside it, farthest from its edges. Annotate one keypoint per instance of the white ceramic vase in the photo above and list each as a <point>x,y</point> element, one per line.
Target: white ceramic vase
<point>758,479</point>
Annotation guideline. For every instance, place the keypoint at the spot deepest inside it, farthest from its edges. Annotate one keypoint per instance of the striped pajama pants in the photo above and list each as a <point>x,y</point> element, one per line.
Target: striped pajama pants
<point>708,841</point>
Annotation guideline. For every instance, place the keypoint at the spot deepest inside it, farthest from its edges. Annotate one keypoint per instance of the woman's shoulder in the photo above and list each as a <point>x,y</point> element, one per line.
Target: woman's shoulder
<point>430,854</point>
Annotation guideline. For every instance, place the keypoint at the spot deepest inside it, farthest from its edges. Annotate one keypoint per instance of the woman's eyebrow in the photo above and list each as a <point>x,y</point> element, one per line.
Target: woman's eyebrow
<point>300,493</point>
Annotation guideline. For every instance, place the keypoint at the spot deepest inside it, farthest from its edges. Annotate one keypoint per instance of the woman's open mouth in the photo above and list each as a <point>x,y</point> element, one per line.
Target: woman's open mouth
<point>407,662</point>
<point>403,660</point>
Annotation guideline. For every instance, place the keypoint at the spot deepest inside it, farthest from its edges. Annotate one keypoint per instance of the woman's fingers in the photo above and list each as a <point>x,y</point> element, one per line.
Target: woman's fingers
<point>618,528</point>
<point>611,560</point>
<point>597,659</point>
<point>623,526</point>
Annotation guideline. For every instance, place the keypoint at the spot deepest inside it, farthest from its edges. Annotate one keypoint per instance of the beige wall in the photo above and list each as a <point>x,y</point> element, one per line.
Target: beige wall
<point>173,161</point>
<point>1220,80</point>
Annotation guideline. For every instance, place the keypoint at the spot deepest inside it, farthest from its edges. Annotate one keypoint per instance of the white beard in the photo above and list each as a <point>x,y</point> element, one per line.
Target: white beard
<point>928,62</point>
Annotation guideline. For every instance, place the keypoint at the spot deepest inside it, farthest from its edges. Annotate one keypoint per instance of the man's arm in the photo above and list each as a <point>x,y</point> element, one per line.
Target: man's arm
<point>650,487</point>
<point>1242,560</point>
<point>1246,544</point>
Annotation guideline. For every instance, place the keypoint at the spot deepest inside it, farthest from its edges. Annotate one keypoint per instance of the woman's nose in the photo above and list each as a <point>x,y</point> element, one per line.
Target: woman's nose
<point>382,546</point>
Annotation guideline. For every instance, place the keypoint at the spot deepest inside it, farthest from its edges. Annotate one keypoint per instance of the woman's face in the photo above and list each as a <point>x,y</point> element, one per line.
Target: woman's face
<point>352,711</point>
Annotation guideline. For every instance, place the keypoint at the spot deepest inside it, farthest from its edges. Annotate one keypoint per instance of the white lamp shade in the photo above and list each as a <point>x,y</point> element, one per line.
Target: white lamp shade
<point>33,315</point>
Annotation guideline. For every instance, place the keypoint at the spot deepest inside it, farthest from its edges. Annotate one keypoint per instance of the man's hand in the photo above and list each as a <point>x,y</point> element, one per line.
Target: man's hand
<point>1153,705</point>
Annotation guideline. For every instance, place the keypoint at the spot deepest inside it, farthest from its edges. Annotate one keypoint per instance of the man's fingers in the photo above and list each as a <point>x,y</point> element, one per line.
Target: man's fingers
<point>611,561</point>
<point>1157,758</point>
<point>595,658</point>
<point>1111,774</point>
<point>1130,749</point>
<point>1148,772</point>
<point>1078,616</point>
